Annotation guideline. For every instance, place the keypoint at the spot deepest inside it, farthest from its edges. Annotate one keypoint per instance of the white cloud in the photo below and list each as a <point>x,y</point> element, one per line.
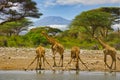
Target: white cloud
<point>50,3</point>
<point>87,2</point>
<point>84,2</point>
<point>61,27</point>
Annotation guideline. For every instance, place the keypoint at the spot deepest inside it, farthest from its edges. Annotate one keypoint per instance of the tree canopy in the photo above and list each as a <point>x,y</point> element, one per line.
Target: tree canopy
<point>14,27</point>
<point>96,21</point>
<point>37,38</point>
<point>12,10</point>
<point>114,11</point>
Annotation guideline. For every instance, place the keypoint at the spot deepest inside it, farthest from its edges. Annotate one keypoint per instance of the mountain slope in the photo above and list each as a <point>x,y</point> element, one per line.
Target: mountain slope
<point>52,20</point>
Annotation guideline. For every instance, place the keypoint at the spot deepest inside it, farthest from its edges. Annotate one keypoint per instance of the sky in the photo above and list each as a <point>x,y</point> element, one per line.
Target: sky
<point>68,9</point>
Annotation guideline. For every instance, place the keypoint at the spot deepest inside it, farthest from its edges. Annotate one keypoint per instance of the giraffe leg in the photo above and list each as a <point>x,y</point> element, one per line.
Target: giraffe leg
<point>105,66</point>
<point>113,68</point>
<point>47,62</point>
<point>77,64</point>
<point>105,59</point>
<point>111,64</point>
<point>54,61</point>
<point>83,63</point>
<point>113,61</point>
<point>68,63</point>
<point>31,62</point>
<point>37,63</point>
<point>54,52</point>
<point>61,59</point>
<point>105,62</point>
<point>40,63</point>
<point>114,65</point>
<point>44,61</point>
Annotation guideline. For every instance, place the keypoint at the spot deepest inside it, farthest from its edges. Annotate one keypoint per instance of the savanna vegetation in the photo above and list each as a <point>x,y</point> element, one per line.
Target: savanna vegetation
<point>83,28</point>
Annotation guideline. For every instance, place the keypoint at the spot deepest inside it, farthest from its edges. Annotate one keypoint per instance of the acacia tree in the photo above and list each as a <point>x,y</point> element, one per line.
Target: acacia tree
<point>97,20</point>
<point>14,27</point>
<point>94,22</point>
<point>12,10</point>
<point>35,36</point>
<point>114,11</point>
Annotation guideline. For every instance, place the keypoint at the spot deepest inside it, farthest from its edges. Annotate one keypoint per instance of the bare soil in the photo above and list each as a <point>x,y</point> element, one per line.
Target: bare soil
<point>20,58</point>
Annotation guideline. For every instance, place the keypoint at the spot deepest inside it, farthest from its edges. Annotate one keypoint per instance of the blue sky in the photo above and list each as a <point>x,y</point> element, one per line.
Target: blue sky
<point>70,8</point>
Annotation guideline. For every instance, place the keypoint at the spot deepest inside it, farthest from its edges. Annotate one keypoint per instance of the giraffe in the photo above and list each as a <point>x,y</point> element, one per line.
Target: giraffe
<point>75,51</point>
<point>56,48</point>
<point>108,50</point>
<point>40,54</point>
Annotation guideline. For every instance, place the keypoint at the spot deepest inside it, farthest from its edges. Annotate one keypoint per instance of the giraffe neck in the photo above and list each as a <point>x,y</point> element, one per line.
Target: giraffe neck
<point>52,41</point>
<point>103,44</point>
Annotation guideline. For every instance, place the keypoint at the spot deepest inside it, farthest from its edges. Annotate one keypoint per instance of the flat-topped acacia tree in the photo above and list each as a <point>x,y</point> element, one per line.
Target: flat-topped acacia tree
<point>96,21</point>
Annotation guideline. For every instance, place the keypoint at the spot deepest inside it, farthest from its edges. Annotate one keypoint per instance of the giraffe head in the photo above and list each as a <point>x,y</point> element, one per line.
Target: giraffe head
<point>97,37</point>
<point>43,32</point>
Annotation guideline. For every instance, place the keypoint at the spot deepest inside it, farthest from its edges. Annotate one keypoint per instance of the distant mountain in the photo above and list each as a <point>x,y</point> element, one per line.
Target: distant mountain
<point>52,20</point>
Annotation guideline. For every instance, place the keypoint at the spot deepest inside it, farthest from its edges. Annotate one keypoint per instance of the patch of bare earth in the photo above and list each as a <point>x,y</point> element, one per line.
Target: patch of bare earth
<point>20,58</point>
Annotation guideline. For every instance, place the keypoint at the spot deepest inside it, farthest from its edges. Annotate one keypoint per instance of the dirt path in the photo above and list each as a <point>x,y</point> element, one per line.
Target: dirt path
<point>20,58</point>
